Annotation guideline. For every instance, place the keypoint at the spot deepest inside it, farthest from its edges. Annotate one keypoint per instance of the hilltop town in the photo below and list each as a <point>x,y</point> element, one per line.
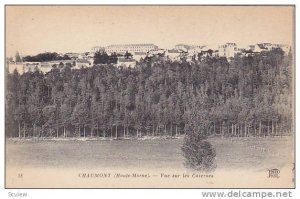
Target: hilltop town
<point>127,55</point>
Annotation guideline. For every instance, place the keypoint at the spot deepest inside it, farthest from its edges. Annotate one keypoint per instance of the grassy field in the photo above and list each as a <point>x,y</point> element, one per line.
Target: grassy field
<point>232,153</point>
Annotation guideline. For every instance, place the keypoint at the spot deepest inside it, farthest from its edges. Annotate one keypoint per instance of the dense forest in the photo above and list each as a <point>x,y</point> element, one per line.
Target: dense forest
<point>45,57</point>
<point>104,58</point>
<point>246,96</point>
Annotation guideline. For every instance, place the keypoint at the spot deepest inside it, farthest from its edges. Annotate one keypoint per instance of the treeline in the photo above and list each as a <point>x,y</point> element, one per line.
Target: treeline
<point>248,96</point>
<point>42,57</point>
<point>101,57</point>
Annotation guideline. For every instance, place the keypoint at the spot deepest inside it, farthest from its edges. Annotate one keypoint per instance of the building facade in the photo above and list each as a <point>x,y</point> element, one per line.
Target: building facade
<point>186,47</point>
<point>97,48</point>
<point>126,62</point>
<point>139,55</point>
<point>228,50</point>
<point>174,54</point>
<point>131,48</point>
<point>258,48</point>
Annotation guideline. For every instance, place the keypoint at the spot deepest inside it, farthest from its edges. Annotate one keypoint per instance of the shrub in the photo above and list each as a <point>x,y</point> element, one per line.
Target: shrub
<point>198,152</point>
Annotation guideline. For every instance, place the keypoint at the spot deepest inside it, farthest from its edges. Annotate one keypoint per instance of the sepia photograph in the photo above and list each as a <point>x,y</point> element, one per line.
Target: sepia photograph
<point>149,96</point>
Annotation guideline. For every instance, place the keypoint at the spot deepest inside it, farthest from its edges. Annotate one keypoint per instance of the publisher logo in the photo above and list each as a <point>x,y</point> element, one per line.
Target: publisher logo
<point>274,173</point>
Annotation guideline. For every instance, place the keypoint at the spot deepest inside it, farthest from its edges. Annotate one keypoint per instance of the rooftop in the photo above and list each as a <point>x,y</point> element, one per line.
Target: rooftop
<point>125,60</point>
<point>261,46</point>
<point>173,51</point>
<point>83,61</point>
<point>97,47</point>
<point>140,53</point>
<point>129,45</point>
<point>266,44</point>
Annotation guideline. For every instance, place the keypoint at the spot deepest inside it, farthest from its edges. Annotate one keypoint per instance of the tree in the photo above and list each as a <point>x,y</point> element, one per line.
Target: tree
<point>128,55</point>
<point>50,115</point>
<point>80,116</point>
<point>18,57</point>
<point>198,152</point>
<point>101,58</point>
<point>43,57</point>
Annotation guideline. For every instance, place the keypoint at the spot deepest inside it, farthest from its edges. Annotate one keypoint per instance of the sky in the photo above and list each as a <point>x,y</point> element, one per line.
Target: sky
<point>36,29</point>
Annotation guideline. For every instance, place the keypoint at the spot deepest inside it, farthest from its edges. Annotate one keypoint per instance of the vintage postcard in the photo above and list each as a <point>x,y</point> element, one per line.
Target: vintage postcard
<point>149,96</point>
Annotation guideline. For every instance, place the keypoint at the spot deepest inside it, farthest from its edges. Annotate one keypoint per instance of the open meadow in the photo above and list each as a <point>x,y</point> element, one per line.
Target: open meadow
<point>232,153</point>
<point>241,162</point>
